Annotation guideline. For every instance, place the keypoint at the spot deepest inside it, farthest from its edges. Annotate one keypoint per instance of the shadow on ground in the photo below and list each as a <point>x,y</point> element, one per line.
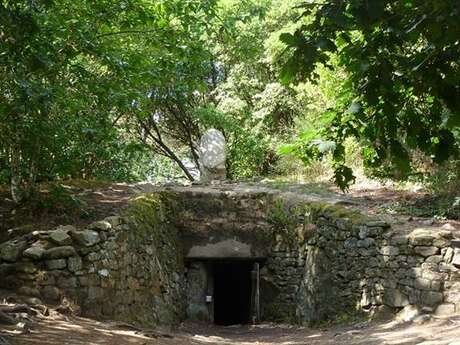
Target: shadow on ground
<point>81,331</point>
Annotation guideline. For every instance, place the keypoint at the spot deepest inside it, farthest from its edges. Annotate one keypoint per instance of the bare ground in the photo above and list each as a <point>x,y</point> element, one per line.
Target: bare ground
<point>70,330</point>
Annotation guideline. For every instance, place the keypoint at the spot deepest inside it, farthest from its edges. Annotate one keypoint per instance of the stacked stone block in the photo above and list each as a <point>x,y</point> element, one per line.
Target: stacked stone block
<point>105,270</point>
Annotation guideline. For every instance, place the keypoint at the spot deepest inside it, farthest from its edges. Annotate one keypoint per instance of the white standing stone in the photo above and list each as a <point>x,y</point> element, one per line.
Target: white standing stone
<point>212,153</point>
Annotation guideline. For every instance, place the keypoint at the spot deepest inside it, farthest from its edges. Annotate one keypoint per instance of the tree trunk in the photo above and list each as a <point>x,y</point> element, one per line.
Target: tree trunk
<point>164,148</point>
<point>16,177</point>
<point>21,186</point>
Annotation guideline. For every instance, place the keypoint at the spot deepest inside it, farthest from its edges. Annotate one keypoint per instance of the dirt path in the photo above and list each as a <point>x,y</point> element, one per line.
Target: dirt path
<point>80,331</point>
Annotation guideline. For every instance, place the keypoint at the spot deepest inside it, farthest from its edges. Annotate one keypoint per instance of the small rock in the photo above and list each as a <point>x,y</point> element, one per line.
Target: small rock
<point>448,226</point>
<point>103,236</point>
<point>408,313</point>
<point>60,237</point>
<point>114,221</point>
<point>422,319</point>
<point>363,232</point>
<point>101,225</point>
<point>22,327</point>
<point>428,221</point>
<point>86,238</point>
<point>103,273</point>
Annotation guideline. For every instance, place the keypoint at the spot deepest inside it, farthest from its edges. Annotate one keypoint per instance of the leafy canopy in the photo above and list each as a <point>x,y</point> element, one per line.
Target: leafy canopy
<point>402,92</point>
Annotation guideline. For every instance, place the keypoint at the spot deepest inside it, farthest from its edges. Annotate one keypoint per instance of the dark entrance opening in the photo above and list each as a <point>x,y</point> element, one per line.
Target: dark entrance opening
<point>232,292</point>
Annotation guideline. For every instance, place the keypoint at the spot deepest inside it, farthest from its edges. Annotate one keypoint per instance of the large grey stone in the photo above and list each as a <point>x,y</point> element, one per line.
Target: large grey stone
<point>426,250</point>
<point>422,284</point>
<point>51,293</point>
<point>436,259</point>
<point>101,225</point>
<point>11,251</point>
<point>447,254</point>
<point>56,264</point>
<point>395,298</point>
<point>60,237</point>
<point>86,238</point>
<point>212,153</point>
<point>35,252</point>
<point>456,257</point>
<point>224,249</point>
<point>421,237</point>
<point>389,250</point>
<point>74,264</point>
<point>60,252</point>
<point>431,298</point>
<point>441,242</point>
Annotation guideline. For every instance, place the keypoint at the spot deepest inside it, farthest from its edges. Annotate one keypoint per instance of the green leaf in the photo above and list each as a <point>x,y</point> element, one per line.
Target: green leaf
<point>343,177</point>
<point>287,149</point>
<point>288,39</point>
<point>289,71</point>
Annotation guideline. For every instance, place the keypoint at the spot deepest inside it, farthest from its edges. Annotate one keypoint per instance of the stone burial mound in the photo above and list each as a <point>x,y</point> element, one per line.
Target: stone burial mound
<point>233,256</point>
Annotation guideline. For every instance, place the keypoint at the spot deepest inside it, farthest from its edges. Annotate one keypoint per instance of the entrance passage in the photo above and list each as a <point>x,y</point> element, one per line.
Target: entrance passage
<point>232,292</point>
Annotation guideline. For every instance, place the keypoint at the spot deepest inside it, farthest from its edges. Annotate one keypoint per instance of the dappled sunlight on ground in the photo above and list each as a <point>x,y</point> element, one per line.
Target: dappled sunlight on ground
<point>81,331</point>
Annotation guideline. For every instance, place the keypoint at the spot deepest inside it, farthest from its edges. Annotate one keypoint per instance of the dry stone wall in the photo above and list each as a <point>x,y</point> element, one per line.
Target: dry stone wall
<point>354,263</point>
<point>319,261</point>
<point>121,268</point>
<point>323,261</point>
